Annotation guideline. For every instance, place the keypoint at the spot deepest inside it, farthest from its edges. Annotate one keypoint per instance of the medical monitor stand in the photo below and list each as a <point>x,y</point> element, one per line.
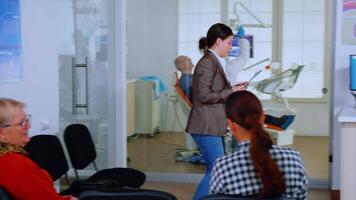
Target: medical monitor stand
<point>353,76</point>
<point>354,94</point>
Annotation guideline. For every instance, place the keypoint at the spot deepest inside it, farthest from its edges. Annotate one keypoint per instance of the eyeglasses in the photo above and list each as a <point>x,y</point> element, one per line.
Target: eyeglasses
<point>24,123</point>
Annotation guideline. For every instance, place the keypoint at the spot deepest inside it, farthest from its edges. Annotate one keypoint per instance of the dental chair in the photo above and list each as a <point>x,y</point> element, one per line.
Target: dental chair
<point>275,85</point>
<point>185,104</point>
<point>182,101</point>
<point>280,82</point>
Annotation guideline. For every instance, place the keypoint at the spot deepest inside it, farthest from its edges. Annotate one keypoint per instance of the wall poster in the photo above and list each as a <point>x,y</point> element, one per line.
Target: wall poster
<point>10,41</point>
<point>349,22</point>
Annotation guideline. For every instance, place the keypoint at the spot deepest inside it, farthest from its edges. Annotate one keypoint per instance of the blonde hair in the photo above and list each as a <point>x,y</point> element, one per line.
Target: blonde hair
<point>8,110</point>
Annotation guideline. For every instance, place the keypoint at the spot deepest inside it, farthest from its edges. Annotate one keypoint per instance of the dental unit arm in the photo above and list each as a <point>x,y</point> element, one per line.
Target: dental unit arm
<point>236,23</point>
<point>278,83</point>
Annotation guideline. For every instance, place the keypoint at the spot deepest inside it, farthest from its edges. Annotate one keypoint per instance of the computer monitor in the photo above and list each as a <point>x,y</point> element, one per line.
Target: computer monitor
<point>353,73</point>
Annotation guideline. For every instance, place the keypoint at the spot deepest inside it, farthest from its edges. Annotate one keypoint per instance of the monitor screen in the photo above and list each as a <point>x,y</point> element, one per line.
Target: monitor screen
<point>235,49</point>
<point>353,72</point>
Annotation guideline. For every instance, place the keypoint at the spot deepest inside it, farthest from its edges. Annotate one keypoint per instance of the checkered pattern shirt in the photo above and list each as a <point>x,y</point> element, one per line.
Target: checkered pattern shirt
<point>234,174</point>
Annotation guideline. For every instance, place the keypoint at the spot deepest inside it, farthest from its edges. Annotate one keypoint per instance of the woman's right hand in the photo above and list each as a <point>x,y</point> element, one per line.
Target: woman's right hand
<point>240,86</point>
<point>70,197</point>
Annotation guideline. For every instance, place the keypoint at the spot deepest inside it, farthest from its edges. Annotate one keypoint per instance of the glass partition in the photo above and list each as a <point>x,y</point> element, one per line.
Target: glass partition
<point>157,34</point>
<point>84,70</point>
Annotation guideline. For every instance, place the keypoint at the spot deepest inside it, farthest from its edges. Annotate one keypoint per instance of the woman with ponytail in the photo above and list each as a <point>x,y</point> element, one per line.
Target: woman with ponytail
<point>207,119</point>
<point>258,167</point>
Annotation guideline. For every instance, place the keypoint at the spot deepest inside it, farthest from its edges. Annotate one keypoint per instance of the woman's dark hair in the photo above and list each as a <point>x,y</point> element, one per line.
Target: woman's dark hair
<point>216,31</point>
<point>245,109</point>
<point>203,45</point>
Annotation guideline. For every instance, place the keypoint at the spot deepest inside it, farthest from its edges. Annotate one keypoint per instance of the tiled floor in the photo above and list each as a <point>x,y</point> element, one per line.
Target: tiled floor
<point>185,191</point>
<point>157,154</point>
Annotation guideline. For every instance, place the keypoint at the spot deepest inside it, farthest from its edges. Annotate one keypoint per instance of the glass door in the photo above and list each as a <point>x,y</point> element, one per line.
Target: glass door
<point>84,71</point>
<point>160,31</point>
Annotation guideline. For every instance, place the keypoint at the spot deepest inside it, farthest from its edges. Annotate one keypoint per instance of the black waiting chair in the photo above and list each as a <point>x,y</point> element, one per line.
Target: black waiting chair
<point>4,195</point>
<point>127,194</point>
<point>82,153</point>
<point>230,197</point>
<point>47,152</point>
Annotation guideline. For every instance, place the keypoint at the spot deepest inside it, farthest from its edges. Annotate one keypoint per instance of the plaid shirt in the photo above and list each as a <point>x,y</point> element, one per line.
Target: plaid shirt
<point>234,174</point>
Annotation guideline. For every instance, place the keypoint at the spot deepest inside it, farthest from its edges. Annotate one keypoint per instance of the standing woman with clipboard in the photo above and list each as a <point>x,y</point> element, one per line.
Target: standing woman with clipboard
<point>207,121</point>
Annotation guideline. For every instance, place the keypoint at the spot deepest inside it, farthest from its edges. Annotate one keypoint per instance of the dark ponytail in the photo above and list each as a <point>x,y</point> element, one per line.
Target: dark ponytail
<point>245,109</point>
<point>267,169</point>
<point>203,45</point>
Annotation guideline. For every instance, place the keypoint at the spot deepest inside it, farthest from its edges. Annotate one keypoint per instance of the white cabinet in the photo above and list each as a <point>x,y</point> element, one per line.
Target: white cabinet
<point>147,108</point>
<point>281,138</point>
<point>130,84</point>
<point>347,118</point>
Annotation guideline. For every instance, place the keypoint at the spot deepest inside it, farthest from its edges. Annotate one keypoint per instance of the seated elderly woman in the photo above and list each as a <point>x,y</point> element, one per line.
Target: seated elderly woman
<point>258,167</point>
<point>19,175</point>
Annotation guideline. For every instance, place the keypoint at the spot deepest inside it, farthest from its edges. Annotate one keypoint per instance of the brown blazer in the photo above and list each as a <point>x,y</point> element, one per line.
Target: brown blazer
<point>210,91</point>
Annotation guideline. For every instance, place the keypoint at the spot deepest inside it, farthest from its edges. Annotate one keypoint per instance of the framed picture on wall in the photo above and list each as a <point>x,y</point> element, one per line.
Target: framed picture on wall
<point>349,22</point>
<point>10,41</point>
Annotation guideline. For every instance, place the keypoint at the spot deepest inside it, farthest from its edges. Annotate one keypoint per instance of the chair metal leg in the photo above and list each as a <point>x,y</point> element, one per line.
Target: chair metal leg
<point>66,178</point>
<point>95,167</point>
<point>76,174</point>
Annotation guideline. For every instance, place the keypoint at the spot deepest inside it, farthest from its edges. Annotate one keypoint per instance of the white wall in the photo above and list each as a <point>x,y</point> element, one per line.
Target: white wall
<point>39,87</point>
<point>152,35</point>
<point>342,96</point>
<point>66,30</point>
<point>152,38</point>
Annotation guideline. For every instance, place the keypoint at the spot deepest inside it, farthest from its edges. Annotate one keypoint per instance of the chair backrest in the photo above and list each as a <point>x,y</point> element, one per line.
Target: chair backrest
<point>127,194</point>
<point>47,152</point>
<point>80,145</point>
<point>182,99</point>
<point>4,195</point>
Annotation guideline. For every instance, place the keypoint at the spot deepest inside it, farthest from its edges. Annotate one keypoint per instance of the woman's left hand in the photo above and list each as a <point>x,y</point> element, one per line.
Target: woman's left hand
<point>240,86</point>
